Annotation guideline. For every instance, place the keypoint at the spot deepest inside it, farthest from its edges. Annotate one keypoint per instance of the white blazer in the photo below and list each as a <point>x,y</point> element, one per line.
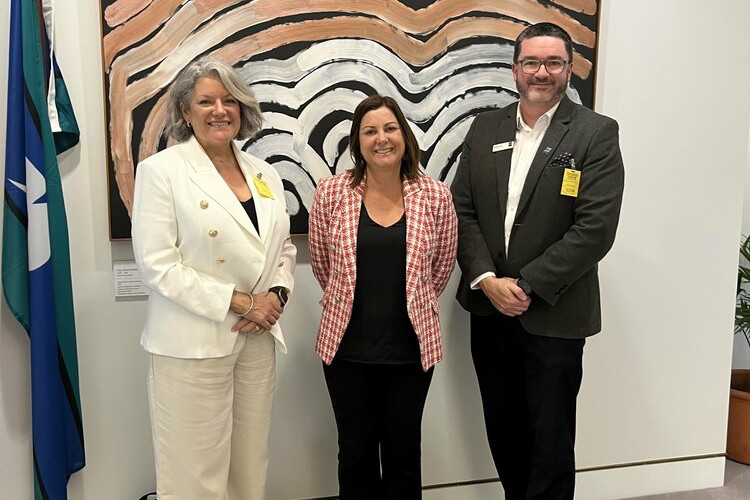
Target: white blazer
<point>194,245</point>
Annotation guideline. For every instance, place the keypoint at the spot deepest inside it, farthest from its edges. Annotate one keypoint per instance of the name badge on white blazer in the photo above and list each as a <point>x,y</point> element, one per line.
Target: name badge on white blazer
<point>262,187</point>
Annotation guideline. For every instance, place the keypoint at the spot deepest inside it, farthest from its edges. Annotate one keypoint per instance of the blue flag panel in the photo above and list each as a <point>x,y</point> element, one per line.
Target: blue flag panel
<point>36,259</point>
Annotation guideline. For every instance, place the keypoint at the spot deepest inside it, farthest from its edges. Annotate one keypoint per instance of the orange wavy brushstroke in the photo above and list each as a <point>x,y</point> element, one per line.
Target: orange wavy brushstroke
<point>122,10</point>
<point>428,19</point>
<point>584,6</point>
<point>149,20</point>
<point>395,13</point>
<point>153,128</point>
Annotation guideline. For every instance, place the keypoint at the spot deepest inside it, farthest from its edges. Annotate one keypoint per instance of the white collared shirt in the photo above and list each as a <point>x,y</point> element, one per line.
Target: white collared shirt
<point>524,149</point>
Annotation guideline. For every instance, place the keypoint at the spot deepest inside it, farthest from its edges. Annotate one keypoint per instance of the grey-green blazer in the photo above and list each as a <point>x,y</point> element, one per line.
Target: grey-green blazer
<point>556,241</point>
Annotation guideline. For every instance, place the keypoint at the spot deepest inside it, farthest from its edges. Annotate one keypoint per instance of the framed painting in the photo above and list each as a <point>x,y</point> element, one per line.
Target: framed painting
<point>310,63</point>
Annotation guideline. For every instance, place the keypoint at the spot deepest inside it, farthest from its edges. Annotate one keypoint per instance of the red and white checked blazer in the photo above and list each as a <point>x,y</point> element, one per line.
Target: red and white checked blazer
<point>430,257</point>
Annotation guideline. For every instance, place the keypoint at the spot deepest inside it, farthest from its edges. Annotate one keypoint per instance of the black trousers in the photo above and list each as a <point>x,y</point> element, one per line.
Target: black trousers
<point>378,410</point>
<point>529,385</point>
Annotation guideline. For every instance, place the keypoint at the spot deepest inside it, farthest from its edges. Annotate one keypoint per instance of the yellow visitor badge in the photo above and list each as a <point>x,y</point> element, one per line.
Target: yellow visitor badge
<point>570,182</point>
<point>262,187</point>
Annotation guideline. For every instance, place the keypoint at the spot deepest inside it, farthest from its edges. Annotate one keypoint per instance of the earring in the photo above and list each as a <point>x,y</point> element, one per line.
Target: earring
<point>189,125</point>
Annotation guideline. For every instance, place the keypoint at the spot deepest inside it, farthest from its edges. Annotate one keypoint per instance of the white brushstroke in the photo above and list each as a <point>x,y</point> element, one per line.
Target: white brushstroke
<point>335,75</point>
<point>344,162</point>
<point>332,140</point>
<point>369,52</point>
<point>450,141</point>
<point>291,172</point>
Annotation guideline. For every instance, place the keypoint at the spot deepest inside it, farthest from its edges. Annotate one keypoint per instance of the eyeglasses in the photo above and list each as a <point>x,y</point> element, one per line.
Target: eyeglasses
<point>553,66</point>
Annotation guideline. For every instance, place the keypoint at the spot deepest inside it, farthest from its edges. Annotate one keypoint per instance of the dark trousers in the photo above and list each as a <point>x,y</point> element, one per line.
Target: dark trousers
<point>529,385</point>
<point>378,410</point>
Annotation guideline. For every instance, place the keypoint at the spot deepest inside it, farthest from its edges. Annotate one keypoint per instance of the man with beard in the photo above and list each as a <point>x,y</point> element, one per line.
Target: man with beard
<point>538,193</point>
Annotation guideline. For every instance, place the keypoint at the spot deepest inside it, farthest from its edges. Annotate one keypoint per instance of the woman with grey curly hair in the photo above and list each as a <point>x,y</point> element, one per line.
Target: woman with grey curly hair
<point>211,239</point>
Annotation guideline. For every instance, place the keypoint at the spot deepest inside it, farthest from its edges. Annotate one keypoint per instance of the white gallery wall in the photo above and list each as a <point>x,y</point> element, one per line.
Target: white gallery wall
<point>673,73</point>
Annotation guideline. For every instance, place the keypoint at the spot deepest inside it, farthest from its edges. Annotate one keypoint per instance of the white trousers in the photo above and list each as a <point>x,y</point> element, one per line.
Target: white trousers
<point>211,422</point>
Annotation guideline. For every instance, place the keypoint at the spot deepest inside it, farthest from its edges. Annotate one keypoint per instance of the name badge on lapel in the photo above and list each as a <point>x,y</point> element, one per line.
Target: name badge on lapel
<point>262,186</point>
<point>503,146</point>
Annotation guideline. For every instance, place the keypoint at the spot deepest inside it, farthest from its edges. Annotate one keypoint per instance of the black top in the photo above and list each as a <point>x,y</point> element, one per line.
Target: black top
<point>379,330</point>
<point>249,206</point>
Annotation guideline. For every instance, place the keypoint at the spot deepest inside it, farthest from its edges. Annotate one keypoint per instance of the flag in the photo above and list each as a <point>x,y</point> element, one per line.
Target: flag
<point>36,260</point>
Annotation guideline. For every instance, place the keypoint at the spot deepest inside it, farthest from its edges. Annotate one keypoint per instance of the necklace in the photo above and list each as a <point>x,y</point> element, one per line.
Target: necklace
<point>220,161</point>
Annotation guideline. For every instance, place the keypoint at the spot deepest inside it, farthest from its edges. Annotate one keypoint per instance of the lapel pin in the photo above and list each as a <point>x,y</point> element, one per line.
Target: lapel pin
<point>547,150</point>
<point>259,175</point>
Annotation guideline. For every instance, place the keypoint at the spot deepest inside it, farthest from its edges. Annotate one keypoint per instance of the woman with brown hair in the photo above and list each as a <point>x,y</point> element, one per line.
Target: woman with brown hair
<point>382,246</point>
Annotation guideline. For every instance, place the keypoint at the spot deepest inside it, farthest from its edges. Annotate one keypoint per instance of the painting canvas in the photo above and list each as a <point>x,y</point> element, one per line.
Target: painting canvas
<point>310,63</point>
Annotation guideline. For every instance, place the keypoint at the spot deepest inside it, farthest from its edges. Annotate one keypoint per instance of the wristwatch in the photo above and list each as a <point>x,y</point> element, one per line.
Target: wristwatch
<point>281,292</point>
<point>524,285</point>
